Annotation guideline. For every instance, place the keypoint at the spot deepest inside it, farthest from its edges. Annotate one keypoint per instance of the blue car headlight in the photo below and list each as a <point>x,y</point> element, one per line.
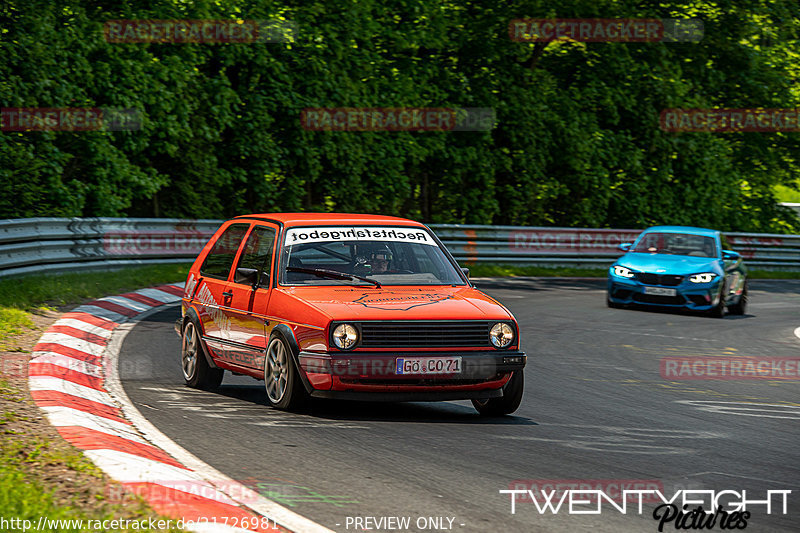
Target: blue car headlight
<point>705,277</point>
<point>622,272</point>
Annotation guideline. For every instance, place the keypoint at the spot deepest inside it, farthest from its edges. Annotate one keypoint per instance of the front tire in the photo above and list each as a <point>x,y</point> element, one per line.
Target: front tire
<point>512,396</point>
<point>718,311</point>
<point>740,307</point>
<point>197,373</point>
<point>281,379</point>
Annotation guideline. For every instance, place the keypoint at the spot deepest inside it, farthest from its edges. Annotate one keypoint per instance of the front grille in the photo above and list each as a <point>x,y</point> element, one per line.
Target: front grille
<point>665,280</point>
<point>659,299</point>
<point>419,334</point>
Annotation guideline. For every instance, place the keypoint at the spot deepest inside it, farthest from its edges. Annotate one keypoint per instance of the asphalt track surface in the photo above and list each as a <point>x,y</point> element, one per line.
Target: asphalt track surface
<point>595,408</point>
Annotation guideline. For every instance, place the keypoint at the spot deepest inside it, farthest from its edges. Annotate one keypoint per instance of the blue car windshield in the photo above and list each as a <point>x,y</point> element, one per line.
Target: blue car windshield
<point>677,244</point>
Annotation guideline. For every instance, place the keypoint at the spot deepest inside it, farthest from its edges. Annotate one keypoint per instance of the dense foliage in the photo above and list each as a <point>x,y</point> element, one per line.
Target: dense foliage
<point>577,141</point>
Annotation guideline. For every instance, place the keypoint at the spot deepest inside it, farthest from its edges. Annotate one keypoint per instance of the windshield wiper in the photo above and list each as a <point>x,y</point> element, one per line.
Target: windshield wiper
<point>323,273</point>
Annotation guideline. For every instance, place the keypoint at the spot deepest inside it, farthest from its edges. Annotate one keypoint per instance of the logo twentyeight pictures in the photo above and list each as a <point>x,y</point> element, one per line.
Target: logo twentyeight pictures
<point>686,508</point>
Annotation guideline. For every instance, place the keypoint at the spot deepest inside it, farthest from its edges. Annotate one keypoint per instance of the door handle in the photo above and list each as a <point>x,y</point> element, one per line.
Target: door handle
<point>227,294</point>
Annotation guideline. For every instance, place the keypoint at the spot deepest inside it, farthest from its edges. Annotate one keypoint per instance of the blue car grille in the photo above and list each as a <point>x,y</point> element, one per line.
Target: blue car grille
<point>665,280</point>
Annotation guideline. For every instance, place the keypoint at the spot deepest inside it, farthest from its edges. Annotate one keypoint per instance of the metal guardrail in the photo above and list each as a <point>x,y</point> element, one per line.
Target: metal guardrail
<point>591,248</point>
<point>36,245</point>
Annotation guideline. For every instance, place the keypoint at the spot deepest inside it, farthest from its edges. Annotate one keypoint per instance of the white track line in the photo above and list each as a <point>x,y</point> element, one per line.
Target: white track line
<point>245,496</point>
<point>68,417</point>
<point>84,326</point>
<point>68,363</point>
<point>72,342</point>
<point>51,383</point>
<point>797,332</point>
<point>161,296</point>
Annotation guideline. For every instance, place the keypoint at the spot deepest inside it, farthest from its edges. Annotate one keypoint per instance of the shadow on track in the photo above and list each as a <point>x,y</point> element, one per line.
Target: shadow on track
<point>341,410</point>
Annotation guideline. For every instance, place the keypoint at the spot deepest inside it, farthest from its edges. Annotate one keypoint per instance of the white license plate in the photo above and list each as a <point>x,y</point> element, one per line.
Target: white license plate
<point>428,365</point>
<point>660,291</point>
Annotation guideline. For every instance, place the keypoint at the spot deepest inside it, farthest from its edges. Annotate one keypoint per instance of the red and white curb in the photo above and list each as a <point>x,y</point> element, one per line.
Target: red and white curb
<point>73,378</point>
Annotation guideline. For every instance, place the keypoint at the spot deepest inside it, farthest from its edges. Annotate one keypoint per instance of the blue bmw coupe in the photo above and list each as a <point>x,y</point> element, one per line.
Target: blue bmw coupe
<point>679,267</point>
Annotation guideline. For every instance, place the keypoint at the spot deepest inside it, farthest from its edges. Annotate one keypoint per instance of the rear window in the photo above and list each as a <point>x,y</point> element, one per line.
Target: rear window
<point>220,258</point>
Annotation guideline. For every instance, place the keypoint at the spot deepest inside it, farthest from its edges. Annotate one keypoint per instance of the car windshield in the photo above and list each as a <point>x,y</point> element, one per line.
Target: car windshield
<point>676,244</point>
<point>347,255</point>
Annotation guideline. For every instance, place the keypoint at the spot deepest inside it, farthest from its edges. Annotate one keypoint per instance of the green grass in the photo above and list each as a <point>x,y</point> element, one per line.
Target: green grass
<point>24,496</point>
<point>49,290</point>
<point>504,271</point>
<point>786,194</point>
<point>21,296</point>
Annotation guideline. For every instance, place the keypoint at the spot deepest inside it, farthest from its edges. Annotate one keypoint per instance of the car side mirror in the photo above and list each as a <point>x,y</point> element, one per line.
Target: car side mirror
<point>465,270</point>
<point>730,255</point>
<point>625,247</point>
<point>246,276</point>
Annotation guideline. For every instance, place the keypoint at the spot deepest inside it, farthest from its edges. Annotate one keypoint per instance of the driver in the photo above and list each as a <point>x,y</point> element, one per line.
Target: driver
<point>377,258</point>
<point>380,259</point>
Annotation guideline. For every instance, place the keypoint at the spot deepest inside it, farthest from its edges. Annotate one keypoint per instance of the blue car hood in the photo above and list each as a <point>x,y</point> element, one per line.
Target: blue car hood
<point>679,265</point>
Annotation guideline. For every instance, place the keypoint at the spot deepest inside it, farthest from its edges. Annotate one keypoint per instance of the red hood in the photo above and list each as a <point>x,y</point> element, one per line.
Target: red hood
<point>400,303</point>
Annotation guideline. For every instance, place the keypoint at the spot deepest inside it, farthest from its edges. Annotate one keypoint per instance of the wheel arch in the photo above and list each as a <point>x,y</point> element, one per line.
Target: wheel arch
<point>285,332</point>
<point>192,315</point>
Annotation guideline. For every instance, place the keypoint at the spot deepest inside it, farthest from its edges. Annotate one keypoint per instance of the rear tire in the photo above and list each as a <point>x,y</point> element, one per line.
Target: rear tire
<point>512,396</point>
<point>740,307</point>
<point>281,379</point>
<point>197,373</point>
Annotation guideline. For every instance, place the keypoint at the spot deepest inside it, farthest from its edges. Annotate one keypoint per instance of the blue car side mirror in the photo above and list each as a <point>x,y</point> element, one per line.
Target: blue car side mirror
<point>730,255</point>
<point>625,247</point>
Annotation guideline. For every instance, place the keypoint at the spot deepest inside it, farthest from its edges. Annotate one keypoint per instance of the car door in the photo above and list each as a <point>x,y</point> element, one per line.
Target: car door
<point>250,288</point>
<point>213,295</point>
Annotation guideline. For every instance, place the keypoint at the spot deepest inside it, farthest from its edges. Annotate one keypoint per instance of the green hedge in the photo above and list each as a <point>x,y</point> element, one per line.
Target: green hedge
<point>577,142</point>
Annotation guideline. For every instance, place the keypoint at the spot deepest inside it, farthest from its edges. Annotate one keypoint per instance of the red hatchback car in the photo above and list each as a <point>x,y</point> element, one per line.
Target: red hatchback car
<point>358,307</point>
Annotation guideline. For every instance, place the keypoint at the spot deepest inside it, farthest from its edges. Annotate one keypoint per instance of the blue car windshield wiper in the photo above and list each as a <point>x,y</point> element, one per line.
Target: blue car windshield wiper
<point>324,273</point>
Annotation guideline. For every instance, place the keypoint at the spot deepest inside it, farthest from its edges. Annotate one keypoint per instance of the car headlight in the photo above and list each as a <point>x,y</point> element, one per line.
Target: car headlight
<point>623,272</point>
<point>705,277</point>
<point>345,336</point>
<point>501,335</point>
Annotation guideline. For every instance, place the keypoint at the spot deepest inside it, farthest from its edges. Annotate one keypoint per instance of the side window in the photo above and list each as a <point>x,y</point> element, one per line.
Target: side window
<point>257,254</point>
<point>725,244</point>
<point>219,260</point>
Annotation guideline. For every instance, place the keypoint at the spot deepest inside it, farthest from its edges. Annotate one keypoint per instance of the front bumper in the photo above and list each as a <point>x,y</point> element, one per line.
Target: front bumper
<point>688,295</point>
<point>372,375</point>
